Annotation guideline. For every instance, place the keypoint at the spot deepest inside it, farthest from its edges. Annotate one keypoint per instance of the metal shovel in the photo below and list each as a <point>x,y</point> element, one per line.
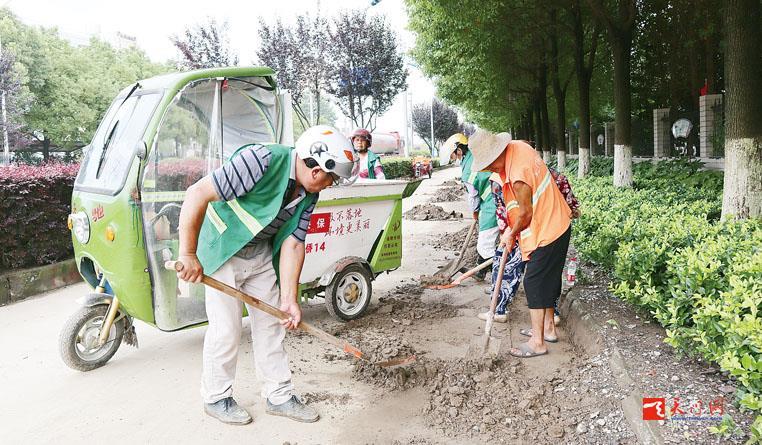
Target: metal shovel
<point>491,344</point>
<point>449,269</point>
<point>461,278</point>
<point>279,314</point>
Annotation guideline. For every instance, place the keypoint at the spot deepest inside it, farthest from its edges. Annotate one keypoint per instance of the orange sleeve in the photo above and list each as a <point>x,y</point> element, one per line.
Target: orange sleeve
<point>521,170</point>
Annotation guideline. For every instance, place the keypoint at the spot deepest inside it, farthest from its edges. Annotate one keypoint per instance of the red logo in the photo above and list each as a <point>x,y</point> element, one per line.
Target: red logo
<point>98,213</point>
<point>320,223</point>
<point>654,408</point>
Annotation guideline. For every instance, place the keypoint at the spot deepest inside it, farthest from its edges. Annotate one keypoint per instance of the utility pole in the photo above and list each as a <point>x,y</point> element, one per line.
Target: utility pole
<point>432,126</point>
<point>6,149</point>
<point>312,114</point>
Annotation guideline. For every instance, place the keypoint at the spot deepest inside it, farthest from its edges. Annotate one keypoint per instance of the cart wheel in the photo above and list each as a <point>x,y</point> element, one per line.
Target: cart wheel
<point>79,339</point>
<point>348,295</point>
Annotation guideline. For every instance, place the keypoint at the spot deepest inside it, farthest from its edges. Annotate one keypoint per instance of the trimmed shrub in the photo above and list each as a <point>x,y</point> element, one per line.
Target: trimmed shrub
<point>34,204</point>
<point>401,167</point>
<point>701,278</point>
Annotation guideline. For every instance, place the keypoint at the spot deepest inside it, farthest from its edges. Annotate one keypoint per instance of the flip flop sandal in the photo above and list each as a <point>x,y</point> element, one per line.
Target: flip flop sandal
<point>526,352</point>
<point>528,333</point>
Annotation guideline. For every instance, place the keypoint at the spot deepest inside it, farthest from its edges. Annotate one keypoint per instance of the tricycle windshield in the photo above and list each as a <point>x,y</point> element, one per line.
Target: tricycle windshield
<point>108,158</point>
<point>207,121</point>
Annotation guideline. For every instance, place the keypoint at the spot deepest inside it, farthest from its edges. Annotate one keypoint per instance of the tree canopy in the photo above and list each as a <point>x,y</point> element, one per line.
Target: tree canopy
<point>64,90</point>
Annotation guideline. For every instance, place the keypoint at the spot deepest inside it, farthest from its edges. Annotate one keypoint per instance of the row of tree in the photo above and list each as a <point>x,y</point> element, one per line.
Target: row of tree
<point>542,66</point>
<point>56,93</point>
<point>352,59</point>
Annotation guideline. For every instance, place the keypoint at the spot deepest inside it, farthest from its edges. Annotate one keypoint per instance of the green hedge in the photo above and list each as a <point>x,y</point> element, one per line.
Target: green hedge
<point>701,278</point>
<point>400,166</point>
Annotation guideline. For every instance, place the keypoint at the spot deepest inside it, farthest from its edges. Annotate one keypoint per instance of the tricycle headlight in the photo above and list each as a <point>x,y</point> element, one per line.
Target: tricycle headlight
<point>81,227</point>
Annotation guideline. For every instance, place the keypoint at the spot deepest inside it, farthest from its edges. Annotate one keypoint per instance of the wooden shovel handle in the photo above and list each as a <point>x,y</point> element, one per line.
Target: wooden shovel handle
<point>272,310</point>
<point>498,282</point>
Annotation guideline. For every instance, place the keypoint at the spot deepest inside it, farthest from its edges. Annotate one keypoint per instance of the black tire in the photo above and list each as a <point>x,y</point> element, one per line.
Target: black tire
<point>339,294</point>
<point>70,342</point>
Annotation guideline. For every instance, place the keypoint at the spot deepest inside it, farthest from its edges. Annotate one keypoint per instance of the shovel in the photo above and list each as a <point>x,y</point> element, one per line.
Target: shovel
<point>461,278</point>
<point>450,268</point>
<point>279,314</point>
<point>492,344</point>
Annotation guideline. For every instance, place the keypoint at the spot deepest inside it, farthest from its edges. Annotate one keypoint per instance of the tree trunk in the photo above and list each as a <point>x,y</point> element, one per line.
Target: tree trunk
<point>583,84</point>
<point>538,143</point>
<point>46,149</point>
<point>546,135</point>
<point>559,93</point>
<point>621,47</point>
<point>742,192</point>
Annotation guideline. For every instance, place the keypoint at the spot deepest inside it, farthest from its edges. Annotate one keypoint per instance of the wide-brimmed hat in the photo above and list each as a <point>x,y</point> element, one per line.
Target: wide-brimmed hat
<point>486,146</point>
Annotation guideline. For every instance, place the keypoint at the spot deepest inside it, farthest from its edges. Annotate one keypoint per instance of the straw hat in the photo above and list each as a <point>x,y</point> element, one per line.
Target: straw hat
<point>486,147</point>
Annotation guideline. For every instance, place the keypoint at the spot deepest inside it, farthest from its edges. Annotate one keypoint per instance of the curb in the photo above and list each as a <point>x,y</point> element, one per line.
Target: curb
<point>586,333</point>
<point>19,285</point>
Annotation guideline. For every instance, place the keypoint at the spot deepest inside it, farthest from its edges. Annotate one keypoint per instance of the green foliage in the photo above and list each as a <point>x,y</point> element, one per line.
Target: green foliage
<point>701,278</point>
<point>402,167</point>
<point>70,87</point>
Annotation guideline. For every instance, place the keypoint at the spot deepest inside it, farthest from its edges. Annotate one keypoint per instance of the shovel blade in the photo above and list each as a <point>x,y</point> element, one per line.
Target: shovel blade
<point>491,347</point>
<point>393,363</point>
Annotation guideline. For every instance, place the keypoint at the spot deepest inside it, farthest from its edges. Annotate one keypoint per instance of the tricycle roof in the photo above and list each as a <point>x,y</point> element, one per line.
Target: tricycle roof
<point>179,79</point>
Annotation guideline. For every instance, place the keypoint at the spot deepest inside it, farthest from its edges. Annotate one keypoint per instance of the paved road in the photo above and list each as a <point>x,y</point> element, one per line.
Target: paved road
<point>150,395</point>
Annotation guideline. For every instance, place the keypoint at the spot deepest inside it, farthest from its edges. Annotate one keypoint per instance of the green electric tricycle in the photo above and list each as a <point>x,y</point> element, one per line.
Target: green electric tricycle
<point>158,137</point>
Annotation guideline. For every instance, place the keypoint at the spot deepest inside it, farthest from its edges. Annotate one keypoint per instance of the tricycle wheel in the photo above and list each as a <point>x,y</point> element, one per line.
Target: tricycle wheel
<point>348,295</point>
<point>79,339</point>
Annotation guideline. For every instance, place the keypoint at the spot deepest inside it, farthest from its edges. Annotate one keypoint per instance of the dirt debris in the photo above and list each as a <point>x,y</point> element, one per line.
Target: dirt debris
<point>450,194</point>
<point>429,212</point>
<point>496,400</point>
<point>435,280</point>
<point>454,242</point>
<point>326,397</point>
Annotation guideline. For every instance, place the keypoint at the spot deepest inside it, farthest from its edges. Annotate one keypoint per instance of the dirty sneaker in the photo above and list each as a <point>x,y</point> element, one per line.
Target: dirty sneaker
<point>228,411</point>
<point>499,318</point>
<point>294,409</point>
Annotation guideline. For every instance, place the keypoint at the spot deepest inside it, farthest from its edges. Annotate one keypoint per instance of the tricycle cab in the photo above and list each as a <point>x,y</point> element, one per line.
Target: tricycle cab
<point>163,134</point>
<point>158,137</point>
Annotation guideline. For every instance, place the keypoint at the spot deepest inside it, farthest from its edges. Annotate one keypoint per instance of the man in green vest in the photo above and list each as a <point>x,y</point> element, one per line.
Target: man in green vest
<point>482,205</point>
<point>242,224</point>
<point>370,163</point>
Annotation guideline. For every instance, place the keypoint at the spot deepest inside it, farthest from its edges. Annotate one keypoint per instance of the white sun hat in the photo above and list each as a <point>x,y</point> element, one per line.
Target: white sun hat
<point>486,146</point>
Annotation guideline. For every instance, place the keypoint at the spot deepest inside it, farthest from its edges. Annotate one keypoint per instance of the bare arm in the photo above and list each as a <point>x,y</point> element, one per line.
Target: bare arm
<point>523,194</point>
<point>291,262</point>
<point>197,198</point>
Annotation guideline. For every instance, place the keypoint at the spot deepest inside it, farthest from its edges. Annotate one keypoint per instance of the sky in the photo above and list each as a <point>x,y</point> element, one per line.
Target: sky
<point>152,23</point>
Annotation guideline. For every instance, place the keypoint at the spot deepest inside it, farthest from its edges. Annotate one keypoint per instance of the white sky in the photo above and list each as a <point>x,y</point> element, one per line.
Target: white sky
<point>153,22</point>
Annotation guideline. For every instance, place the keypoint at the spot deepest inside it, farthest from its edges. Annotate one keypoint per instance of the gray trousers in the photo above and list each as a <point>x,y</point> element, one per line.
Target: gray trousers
<point>254,276</point>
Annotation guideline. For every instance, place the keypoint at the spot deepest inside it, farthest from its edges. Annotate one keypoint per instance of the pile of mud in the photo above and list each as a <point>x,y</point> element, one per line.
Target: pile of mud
<point>493,400</point>
<point>428,212</point>
<point>454,242</point>
<point>449,194</point>
<point>380,346</point>
<point>402,307</point>
<point>452,182</point>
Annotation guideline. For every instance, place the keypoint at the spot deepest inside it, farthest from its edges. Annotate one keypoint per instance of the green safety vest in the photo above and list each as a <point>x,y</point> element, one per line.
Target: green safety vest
<point>372,158</point>
<point>230,225</point>
<point>480,181</point>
